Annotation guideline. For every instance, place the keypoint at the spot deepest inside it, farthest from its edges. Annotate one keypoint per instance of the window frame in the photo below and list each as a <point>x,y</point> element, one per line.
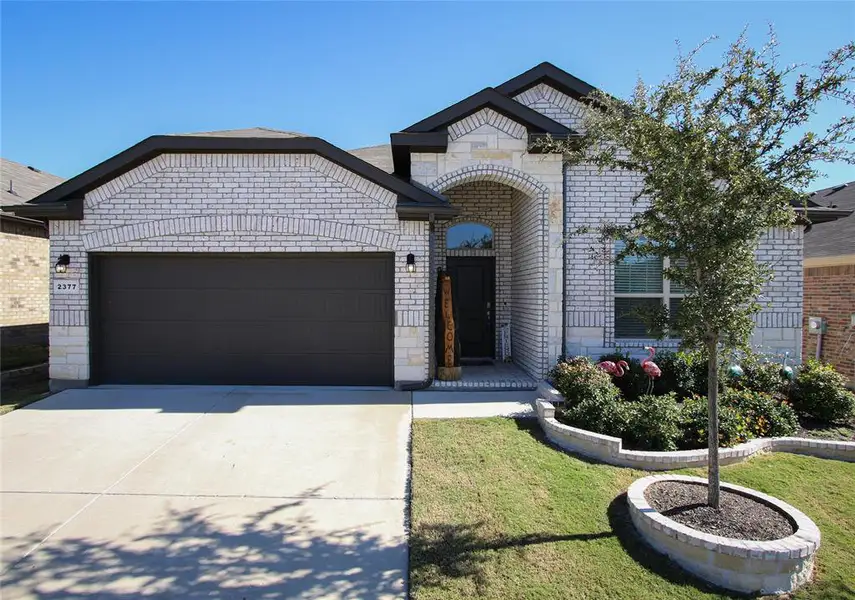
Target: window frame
<point>665,297</point>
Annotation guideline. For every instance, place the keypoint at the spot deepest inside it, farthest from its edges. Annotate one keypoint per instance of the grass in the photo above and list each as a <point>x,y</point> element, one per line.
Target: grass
<point>498,513</point>
<point>22,394</point>
<point>825,431</point>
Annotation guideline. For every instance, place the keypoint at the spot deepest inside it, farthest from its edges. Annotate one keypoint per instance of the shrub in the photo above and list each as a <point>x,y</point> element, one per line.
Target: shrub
<point>759,376</point>
<point>654,423</point>
<point>633,383</point>
<point>604,413</point>
<point>762,414</point>
<point>819,393</point>
<point>678,374</point>
<point>578,379</point>
<point>732,429</point>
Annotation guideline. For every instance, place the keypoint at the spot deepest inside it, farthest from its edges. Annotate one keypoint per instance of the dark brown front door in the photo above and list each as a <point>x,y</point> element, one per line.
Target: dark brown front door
<point>473,281</point>
<point>261,319</point>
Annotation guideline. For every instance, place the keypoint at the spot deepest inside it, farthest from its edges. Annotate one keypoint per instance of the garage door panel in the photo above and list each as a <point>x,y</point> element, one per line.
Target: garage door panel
<point>230,304</point>
<point>244,319</point>
<point>247,337</point>
<point>310,270</point>
<point>300,369</point>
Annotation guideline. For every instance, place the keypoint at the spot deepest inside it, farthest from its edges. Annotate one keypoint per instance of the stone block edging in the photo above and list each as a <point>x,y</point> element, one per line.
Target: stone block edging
<point>610,450</point>
<point>770,567</point>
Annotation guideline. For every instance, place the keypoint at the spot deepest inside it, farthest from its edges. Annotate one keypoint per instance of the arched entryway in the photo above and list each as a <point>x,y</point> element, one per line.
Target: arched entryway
<point>498,251</point>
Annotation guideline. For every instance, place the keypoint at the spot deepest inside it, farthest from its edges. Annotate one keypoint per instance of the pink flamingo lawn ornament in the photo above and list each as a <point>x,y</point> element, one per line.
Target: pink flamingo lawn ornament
<point>616,369</point>
<point>651,368</point>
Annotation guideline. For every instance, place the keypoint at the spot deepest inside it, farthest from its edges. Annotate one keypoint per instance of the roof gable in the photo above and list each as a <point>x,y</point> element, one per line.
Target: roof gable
<point>549,74</point>
<point>490,98</point>
<point>65,201</point>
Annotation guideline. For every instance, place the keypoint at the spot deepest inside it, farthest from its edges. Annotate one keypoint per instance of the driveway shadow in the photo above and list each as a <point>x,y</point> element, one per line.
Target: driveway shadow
<point>193,553</point>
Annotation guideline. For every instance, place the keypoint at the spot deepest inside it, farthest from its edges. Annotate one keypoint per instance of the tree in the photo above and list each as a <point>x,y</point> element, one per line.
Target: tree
<point>724,155</point>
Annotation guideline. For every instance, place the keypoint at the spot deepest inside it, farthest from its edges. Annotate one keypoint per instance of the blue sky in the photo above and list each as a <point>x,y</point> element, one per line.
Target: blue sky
<point>83,81</point>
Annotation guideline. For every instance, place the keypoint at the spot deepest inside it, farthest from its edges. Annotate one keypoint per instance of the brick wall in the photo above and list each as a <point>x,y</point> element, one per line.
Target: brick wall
<point>488,147</point>
<point>592,197</point>
<point>24,278</point>
<point>239,203</point>
<point>829,292</point>
<point>527,315</point>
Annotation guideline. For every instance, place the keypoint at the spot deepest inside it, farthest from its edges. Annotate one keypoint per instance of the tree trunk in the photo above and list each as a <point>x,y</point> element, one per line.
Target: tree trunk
<point>712,400</point>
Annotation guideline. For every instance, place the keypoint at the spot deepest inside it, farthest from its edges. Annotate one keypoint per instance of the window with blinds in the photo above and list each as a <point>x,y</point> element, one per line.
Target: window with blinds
<point>640,287</point>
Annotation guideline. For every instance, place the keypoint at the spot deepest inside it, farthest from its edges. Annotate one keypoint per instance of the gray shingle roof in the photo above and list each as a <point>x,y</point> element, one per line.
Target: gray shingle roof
<point>837,237</point>
<point>379,156</point>
<point>249,132</point>
<point>22,183</point>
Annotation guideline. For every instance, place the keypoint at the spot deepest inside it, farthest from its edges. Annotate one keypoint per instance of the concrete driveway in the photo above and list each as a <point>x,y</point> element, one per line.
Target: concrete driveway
<point>221,492</point>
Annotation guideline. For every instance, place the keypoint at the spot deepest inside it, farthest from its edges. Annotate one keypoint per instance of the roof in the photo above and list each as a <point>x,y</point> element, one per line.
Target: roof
<point>835,238</point>
<point>534,121</point>
<point>65,201</point>
<point>22,183</point>
<point>547,73</point>
<point>250,132</point>
<point>379,156</point>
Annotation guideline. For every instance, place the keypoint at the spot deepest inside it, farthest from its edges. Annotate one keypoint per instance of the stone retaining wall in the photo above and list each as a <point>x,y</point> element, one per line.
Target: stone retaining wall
<point>771,567</point>
<point>610,450</point>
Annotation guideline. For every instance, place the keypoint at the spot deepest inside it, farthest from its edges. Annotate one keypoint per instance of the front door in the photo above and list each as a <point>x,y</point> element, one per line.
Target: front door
<point>473,283</point>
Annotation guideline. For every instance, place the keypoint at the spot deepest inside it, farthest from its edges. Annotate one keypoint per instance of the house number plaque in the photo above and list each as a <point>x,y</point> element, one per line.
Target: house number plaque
<point>65,286</point>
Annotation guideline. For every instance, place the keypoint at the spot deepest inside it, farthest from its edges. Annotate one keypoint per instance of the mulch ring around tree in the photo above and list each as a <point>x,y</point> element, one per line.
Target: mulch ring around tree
<point>739,517</point>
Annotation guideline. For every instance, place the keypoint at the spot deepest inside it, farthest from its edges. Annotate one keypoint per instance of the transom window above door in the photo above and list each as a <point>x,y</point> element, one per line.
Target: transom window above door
<point>469,236</point>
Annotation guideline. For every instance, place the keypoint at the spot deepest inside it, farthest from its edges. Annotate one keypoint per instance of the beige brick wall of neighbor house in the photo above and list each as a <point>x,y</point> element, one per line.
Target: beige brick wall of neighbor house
<point>238,203</point>
<point>592,197</point>
<point>24,279</point>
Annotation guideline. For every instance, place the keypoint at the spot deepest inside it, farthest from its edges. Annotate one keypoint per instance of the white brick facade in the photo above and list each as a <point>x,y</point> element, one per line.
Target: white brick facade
<point>488,147</point>
<point>592,197</point>
<point>238,203</point>
<point>551,287</point>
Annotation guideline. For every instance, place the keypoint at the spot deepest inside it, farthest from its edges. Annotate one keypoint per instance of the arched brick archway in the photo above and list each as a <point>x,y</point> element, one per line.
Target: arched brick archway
<point>521,251</point>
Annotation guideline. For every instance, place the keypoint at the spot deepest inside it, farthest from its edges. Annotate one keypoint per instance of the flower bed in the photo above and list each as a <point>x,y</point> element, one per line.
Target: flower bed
<point>767,567</point>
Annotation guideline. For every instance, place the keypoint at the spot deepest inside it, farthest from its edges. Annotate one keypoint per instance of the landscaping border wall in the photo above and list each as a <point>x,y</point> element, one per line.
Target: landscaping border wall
<point>610,450</point>
<point>770,567</point>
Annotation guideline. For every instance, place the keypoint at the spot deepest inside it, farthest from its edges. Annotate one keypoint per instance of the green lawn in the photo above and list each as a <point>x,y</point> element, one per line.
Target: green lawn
<point>497,513</point>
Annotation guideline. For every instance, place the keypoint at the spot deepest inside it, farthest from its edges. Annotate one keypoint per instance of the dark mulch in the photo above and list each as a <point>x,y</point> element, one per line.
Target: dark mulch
<point>739,517</point>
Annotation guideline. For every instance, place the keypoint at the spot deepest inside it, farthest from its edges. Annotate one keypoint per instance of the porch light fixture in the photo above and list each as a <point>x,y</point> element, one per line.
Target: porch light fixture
<point>411,263</point>
<point>62,263</point>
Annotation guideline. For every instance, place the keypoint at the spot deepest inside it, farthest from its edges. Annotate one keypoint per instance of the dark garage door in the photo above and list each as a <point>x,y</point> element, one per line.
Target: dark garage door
<point>273,319</point>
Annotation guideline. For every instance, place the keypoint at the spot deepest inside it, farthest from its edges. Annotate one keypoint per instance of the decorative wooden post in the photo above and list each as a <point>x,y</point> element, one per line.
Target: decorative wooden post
<point>448,370</point>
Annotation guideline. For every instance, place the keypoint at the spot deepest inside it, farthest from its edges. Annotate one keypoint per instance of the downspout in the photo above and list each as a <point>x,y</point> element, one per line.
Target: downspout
<point>420,385</point>
<point>564,218</point>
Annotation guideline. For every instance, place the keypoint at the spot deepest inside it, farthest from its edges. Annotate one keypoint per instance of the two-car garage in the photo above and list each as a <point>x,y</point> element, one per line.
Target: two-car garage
<point>260,319</point>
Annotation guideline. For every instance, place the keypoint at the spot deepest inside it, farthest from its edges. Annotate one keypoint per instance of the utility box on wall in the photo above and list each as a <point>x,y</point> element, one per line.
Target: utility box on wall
<point>816,325</point>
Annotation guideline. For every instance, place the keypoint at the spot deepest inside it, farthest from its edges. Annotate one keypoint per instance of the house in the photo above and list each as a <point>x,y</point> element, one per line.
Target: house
<point>265,257</point>
<point>829,288</point>
<point>24,271</point>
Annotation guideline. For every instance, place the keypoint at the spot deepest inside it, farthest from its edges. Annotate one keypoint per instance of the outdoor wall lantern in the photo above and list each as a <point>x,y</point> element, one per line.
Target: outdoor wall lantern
<point>411,263</point>
<point>62,263</point>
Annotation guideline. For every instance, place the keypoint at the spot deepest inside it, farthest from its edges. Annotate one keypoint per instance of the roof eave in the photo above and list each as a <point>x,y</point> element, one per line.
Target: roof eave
<point>823,215</point>
<point>156,145</point>
<point>66,210</point>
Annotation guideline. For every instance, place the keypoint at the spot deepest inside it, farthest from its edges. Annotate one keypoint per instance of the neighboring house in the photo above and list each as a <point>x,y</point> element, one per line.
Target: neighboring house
<point>265,257</point>
<point>829,290</point>
<point>24,271</point>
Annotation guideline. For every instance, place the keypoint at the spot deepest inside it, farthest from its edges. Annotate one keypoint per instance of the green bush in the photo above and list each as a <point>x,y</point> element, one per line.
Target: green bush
<point>759,375</point>
<point>732,429</point>
<point>678,374</point>
<point>763,415</point>
<point>604,413</point>
<point>819,394</point>
<point>578,379</point>
<point>654,423</point>
<point>633,383</point>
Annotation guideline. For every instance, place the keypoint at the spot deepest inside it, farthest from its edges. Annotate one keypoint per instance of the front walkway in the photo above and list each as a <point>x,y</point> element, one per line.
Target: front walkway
<point>496,377</point>
<point>202,492</point>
